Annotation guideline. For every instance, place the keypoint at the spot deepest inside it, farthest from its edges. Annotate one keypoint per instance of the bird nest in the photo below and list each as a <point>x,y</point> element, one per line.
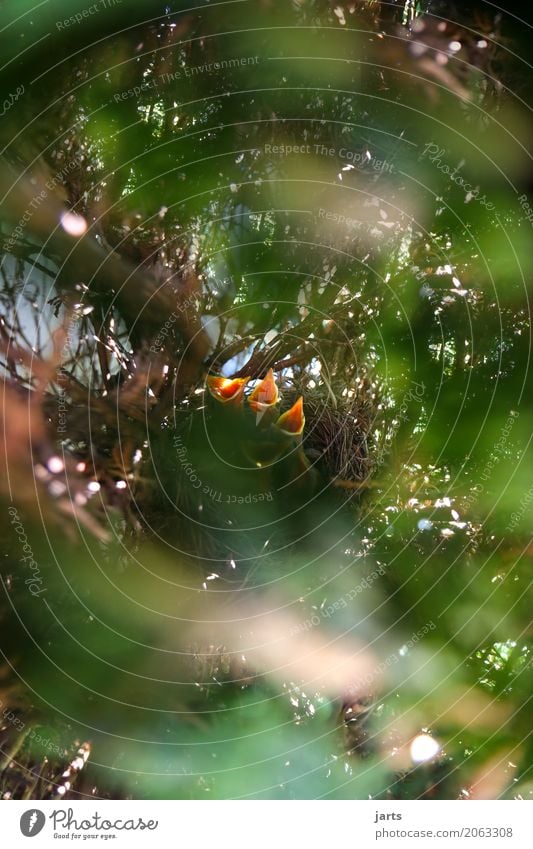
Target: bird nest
<point>337,436</point>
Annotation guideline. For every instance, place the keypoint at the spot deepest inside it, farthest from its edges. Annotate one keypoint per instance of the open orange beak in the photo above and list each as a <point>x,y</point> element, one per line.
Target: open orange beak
<point>265,394</point>
<point>227,390</point>
<point>292,422</point>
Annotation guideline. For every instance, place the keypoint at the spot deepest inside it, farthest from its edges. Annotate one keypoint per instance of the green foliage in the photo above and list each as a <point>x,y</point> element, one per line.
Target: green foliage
<point>310,187</point>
